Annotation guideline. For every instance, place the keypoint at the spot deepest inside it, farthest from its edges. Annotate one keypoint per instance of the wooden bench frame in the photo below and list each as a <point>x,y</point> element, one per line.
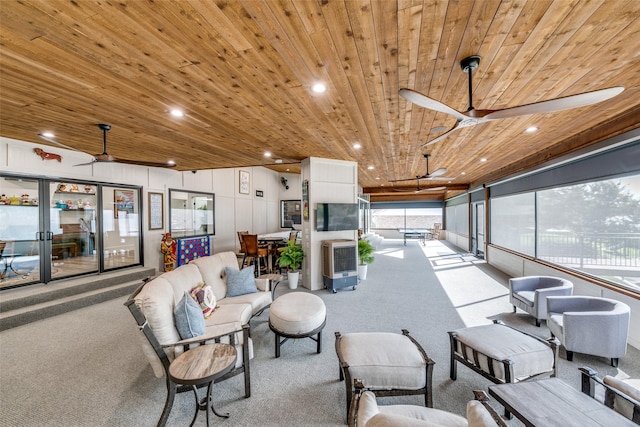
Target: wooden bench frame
<point>507,363</point>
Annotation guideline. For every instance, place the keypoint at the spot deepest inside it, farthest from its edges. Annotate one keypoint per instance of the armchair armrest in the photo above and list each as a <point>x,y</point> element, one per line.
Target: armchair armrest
<point>482,397</point>
<point>263,285</point>
<point>527,283</point>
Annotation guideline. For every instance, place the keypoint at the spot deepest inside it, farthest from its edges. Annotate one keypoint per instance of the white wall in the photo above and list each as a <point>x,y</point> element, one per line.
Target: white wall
<point>330,181</point>
<point>233,211</point>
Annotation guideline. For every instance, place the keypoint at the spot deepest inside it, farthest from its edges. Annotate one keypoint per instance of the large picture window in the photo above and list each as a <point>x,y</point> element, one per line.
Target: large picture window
<point>591,227</point>
<point>594,228</point>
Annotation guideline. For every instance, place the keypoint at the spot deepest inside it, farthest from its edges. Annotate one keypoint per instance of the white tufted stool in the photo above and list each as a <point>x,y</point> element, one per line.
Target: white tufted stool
<point>297,315</point>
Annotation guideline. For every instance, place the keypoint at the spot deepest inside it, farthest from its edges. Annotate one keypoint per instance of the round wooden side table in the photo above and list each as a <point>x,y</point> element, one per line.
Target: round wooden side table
<point>203,365</point>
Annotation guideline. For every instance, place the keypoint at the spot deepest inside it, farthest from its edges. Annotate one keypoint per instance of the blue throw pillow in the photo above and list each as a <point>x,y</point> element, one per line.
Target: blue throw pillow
<point>189,318</point>
<point>240,282</point>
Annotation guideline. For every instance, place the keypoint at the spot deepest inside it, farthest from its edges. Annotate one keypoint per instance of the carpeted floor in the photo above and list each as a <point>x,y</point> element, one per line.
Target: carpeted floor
<point>86,367</point>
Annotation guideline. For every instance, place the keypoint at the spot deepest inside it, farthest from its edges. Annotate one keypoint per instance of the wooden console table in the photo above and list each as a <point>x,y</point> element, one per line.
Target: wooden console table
<point>552,402</point>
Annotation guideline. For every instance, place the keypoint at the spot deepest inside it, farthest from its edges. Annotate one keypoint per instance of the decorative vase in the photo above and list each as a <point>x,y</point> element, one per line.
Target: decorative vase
<point>362,271</point>
<point>293,277</point>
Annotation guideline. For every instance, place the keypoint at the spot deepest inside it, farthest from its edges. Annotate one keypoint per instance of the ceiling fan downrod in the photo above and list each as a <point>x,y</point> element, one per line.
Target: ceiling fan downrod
<point>105,128</point>
<point>469,64</point>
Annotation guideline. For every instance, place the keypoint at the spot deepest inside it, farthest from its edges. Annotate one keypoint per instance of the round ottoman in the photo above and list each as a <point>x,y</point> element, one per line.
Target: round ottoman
<point>297,315</point>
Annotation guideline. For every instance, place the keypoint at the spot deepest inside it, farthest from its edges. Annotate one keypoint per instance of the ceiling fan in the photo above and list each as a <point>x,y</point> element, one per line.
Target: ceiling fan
<point>419,190</point>
<point>436,174</point>
<point>472,116</point>
<point>104,157</point>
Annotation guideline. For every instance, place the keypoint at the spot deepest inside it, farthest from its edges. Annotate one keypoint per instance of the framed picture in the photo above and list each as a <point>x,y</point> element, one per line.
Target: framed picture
<point>156,211</point>
<point>124,201</point>
<point>244,182</point>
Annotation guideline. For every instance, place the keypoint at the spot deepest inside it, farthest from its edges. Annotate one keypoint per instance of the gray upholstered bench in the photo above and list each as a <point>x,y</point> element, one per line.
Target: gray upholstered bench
<point>391,364</point>
<point>501,353</point>
<point>297,315</point>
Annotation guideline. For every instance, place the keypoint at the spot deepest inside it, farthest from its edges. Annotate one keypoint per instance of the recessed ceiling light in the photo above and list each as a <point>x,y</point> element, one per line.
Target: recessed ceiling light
<point>288,169</point>
<point>48,134</point>
<point>171,162</point>
<point>531,129</point>
<point>463,173</point>
<point>377,177</point>
<point>484,159</point>
<point>278,161</point>
<point>370,168</point>
<point>267,154</point>
<point>319,88</point>
<point>357,146</point>
<point>176,113</point>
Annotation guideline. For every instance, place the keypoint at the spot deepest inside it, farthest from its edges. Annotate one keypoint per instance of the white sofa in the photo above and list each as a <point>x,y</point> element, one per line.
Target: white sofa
<point>158,298</point>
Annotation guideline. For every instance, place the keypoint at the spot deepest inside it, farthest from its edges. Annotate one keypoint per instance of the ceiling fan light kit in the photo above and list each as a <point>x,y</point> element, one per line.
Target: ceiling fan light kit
<point>472,117</point>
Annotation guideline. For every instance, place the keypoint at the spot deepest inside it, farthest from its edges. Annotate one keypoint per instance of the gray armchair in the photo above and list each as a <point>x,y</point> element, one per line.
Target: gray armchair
<point>590,325</point>
<point>529,293</point>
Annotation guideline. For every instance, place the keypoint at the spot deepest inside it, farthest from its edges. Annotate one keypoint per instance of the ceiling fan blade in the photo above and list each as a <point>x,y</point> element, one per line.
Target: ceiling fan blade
<point>443,136</point>
<point>558,104</point>
<point>426,190</point>
<point>426,102</point>
<point>437,172</point>
<point>142,163</point>
<point>408,179</point>
<point>87,163</point>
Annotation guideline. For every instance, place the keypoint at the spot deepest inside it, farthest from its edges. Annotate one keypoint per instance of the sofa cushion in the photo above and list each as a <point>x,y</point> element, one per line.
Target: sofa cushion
<point>188,317</point>
<point>212,271</point>
<point>240,282</point>
<point>428,416</point>
<point>388,420</point>
<point>203,295</point>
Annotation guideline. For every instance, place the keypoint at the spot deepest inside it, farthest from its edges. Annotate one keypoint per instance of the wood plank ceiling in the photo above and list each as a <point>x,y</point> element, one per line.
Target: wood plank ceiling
<point>242,73</point>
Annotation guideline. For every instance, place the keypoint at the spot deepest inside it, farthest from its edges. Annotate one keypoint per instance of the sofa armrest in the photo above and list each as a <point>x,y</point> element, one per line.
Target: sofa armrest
<point>213,333</point>
<point>263,285</point>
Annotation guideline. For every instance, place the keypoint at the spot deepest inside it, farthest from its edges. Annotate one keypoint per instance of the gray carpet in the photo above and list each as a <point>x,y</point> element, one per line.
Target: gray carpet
<point>86,368</point>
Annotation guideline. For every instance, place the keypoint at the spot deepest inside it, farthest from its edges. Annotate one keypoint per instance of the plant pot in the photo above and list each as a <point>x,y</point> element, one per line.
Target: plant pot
<point>362,271</point>
<point>293,277</point>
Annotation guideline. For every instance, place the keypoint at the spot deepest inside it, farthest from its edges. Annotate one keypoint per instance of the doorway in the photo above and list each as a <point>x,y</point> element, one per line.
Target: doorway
<point>477,229</point>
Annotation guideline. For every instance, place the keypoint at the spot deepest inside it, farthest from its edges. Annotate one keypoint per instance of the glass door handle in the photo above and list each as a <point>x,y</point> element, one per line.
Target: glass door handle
<point>40,235</point>
<point>49,235</point>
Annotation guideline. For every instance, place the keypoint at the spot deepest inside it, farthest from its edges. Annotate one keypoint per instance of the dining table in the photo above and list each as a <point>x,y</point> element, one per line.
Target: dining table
<point>273,241</point>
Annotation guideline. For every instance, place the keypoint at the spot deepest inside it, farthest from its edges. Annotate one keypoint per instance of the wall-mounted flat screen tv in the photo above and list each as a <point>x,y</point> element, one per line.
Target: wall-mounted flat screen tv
<point>336,216</point>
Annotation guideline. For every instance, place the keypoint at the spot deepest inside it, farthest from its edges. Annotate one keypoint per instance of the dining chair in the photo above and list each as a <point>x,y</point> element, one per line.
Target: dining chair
<point>293,235</point>
<point>254,252</point>
<point>243,249</point>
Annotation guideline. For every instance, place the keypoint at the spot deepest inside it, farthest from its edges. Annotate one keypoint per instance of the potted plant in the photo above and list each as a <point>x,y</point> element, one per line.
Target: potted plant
<point>291,257</point>
<point>365,257</point>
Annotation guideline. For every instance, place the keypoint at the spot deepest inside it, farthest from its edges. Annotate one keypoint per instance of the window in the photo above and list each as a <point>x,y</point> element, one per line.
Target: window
<point>515,220</point>
<point>410,218</point>
<point>191,213</point>
<point>593,228</point>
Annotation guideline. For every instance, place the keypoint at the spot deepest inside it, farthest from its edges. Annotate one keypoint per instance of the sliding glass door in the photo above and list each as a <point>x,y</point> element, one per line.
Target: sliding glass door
<point>52,229</point>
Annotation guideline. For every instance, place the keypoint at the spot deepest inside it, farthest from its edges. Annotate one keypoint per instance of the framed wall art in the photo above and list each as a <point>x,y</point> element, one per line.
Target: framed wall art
<point>124,202</point>
<point>156,211</point>
<point>244,182</point>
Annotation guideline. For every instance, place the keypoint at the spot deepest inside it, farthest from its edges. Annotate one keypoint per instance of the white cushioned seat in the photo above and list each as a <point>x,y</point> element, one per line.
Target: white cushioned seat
<point>529,356</point>
<point>372,415</point>
<point>386,360</point>
<point>297,313</point>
